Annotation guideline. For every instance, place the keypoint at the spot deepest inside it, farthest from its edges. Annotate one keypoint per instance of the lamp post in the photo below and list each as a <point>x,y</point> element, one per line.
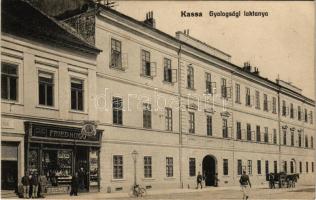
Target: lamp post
<point>134,155</point>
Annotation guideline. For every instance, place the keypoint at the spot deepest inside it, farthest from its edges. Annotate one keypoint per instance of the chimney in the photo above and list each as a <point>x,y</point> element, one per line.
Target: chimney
<point>247,67</point>
<point>150,21</point>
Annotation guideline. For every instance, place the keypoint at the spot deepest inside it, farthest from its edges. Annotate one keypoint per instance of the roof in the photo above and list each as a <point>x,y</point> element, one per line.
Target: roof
<point>20,18</point>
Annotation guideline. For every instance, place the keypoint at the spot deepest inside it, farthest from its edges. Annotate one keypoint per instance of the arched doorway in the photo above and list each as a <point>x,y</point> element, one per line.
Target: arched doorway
<point>209,170</point>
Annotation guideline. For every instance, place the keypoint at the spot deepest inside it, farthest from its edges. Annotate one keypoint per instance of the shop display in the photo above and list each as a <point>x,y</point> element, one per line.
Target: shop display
<point>93,168</point>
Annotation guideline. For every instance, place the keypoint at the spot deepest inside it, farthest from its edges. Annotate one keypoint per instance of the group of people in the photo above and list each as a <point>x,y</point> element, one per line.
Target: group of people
<point>33,185</point>
<point>200,178</point>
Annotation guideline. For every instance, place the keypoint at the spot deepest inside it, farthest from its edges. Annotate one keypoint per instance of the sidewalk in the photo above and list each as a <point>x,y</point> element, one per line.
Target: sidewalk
<point>101,195</point>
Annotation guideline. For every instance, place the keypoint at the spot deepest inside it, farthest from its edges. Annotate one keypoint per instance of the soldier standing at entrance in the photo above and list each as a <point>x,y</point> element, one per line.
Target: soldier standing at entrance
<point>199,180</point>
<point>245,185</point>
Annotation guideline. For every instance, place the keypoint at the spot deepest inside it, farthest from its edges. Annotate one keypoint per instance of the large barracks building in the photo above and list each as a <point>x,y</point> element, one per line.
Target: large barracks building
<point>98,91</point>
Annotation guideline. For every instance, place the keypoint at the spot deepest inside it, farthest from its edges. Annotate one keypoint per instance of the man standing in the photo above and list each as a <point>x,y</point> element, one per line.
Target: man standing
<point>245,185</point>
<point>26,185</point>
<point>199,180</point>
<point>34,183</point>
<point>74,185</point>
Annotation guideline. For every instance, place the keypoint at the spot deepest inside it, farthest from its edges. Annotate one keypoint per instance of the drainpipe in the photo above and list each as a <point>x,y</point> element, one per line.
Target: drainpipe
<point>180,116</point>
<point>279,124</point>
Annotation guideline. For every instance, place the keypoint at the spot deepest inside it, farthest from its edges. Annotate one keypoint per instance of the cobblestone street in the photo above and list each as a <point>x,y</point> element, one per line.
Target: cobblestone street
<point>302,192</point>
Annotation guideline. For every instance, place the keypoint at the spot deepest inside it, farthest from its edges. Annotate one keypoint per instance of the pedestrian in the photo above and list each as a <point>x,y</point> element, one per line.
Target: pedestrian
<point>74,185</point>
<point>26,185</point>
<point>31,186</point>
<point>34,183</point>
<point>199,179</point>
<point>42,180</point>
<point>245,185</point>
<point>81,177</point>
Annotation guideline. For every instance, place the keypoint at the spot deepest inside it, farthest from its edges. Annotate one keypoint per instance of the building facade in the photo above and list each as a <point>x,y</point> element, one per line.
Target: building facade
<point>169,107</point>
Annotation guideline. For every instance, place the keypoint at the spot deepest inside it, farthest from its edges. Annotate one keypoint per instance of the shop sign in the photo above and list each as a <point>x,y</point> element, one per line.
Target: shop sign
<point>52,131</point>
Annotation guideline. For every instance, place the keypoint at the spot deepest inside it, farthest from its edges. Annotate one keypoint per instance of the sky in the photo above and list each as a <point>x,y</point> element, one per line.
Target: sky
<point>281,43</point>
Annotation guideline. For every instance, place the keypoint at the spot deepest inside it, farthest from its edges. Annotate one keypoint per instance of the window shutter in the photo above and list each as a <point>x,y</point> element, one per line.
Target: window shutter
<point>228,92</point>
<point>124,61</point>
<point>252,100</point>
<point>174,75</point>
<point>153,69</point>
<point>213,87</point>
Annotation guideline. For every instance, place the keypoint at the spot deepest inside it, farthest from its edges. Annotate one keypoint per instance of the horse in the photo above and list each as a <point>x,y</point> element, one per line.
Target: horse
<point>291,179</point>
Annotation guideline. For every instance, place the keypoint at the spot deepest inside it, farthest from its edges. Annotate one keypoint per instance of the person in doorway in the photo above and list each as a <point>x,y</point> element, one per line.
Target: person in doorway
<point>199,179</point>
<point>74,185</point>
<point>26,185</point>
<point>34,183</point>
<point>42,180</point>
<point>245,185</point>
<point>81,177</point>
<point>216,180</point>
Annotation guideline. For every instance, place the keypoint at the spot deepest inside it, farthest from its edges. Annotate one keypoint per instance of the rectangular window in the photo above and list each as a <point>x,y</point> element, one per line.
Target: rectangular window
<point>291,111</point>
<point>299,140</point>
<point>147,167</point>
<point>284,137</point>
<point>267,166</point>
<point>169,166</point>
<point>117,110</point>
<point>285,166</point>
<point>209,125</point>
<point>291,167</point>
<point>225,166</point>
<point>248,99</point>
<point>239,167</point>
<point>192,168</point>
<point>299,113</point>
<point>168,119</point>
<point>167,70</point>
<point>249,166</point>
<point>312,166</point>
<point>283,108</point>
<point>266,134</point>
<point>301,167</point>
<point>257,99</point>
<point>259,166</point>
<point>274,108</point>
<point>306,167</point>
<point>146,65</point>
<point>224,88</point>
<point>116,54</point>
<point>311,117</point>
<point>190,77</point>
<point>292,138</point>
<point>265,102</point>
<point>225,129</point>
<point>118,167</point>
<point>258,134</point>
<point>191,122</point>
<point>46,89</point>
<point>312,142</point>
<point>146,115</point>
<point>208,82</point>
<point>9,81</point>
<point>248,132</point>
<point>306,141</point>
<point>237,93</point>
<point>305,115</point>
<point>274,136</point>
<point>275,164</point>
<point>238,129</point>
<point>76,94</point>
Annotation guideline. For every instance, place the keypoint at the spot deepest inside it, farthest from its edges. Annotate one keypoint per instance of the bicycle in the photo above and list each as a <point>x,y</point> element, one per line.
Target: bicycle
<point>138,191</point>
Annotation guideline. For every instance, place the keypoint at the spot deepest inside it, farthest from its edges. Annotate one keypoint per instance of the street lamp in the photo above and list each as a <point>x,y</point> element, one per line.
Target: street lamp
<point>134,155</point>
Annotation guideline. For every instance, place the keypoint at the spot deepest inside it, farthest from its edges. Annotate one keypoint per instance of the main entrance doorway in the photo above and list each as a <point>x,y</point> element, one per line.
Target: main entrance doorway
<point>209,170</point>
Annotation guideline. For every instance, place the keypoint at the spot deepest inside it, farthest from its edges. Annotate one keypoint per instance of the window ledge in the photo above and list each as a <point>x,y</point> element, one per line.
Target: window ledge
<point>11,102</point>
<point>121,69</point>
<point>78,112</point>
<point>193,89</point>
<point>117,180</point>
<point>238,102</point>
<point>168,83</point>
<point>47,107</point>
<point>148,179</point>
<point>147,77</point>
<point>170,178</point>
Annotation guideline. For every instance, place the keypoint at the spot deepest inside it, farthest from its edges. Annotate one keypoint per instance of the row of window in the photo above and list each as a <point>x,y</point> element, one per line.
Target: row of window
<point>9,87</point>
<point>299,139</point>
<point>296,113</point>
<point>118,167</point>
<point>250,134</point>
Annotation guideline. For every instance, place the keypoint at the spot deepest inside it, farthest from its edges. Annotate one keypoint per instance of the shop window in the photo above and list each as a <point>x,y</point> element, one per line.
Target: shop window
<point>168,119</point>
<point>209,125</point>
<point>94,169</point>
<point>147,167</point>
<point>33,160</point>
<point>146,115</point>
<point>76,94</point>
<point>191,122</point>
<point>9,81</point>
<point>259,166</point>
<point>238,129</point>
<point>118,167</point>
<point>116,54</point>
<point>190,77</point>
<point>192,167</point>
<point>169,166</point>
<point>239,167</point>
<point>117,110</point>
<point>225,166</point>
<point>46,89</point>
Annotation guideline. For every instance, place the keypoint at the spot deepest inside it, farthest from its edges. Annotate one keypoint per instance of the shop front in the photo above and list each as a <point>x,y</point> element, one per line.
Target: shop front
<point>58,152</point>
